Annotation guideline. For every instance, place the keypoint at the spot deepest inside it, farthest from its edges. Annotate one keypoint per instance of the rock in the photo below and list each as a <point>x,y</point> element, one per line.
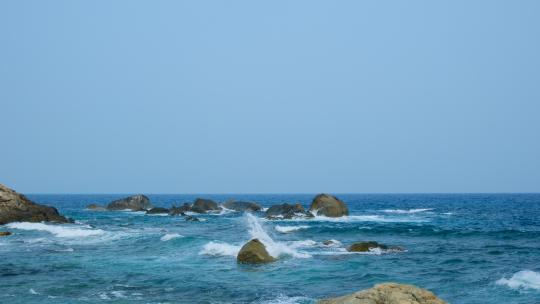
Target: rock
<point>135,203</point>
<point>328,205</point>
<point>192,218</point>
<point>388,293</point>
<point>242,206</point>
<point>254,252</point>
<point>331,243</point>
<point>180,210</point>
<point>96,207</point>
<point>15,207</point>
<point>286,211</point>
<point>158,210</point>
<point>366,246</point>
<point>202,205</point>
<point>5,233</point>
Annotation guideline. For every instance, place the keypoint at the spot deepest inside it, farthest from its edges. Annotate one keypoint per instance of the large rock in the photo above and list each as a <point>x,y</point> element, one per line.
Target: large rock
<point>328,205</point>
<point>388,293</point>
<point>286,211</point>
<point>158,210</point>
<point>134,203</point>
<point>15,207</point>
<point>254,252</point>
<point>202,205</point>
<point>242,206</point>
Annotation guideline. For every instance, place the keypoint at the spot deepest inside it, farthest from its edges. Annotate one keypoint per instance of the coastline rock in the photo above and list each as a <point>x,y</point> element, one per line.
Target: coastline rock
<point>5,233</point>
<point>286,211</point>
<point>158,210</point>
<point>254,252</point>
<point>15,207</point>
<point>202,205</point>
<point>328,205</point>
<point>135,203</point>
<point>388,293</point>
<point>242,206</point>
<point>96,207</point>
<point>192,218</point>
<point>180,210</point>
<point>367,246</point>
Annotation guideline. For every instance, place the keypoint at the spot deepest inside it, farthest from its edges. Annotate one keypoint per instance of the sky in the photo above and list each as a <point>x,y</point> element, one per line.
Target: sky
<point>270,96</point>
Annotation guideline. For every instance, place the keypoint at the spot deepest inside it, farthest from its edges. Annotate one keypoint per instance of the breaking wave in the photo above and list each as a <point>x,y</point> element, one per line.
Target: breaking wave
<point>288,229</point>
<point>220,249</point>
<point>525,279</point>
<point>63,231</point>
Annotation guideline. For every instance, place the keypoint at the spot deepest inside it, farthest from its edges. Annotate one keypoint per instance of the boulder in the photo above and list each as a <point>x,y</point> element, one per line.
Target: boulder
<point>134,203</point>
<point>96,207</point>
<point>5,233</point>
<point>388,293</point>
<point>254,252</point>
<point>180,210</point>
<point>242,206</point>
<point>286,211</point>
<point>15,207</point>
<point>202,205</point>
<point>367,246</point>
<point>328,205</point>
<point>158,210</point>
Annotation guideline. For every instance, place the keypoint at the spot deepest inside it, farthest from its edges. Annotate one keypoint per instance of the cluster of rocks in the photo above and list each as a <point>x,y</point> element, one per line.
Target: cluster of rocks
<point>322,205</point>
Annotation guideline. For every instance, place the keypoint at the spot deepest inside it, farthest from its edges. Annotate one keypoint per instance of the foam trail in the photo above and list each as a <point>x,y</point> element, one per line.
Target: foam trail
<point>220,249</point>
<point>275,249</point>
<point>63,231</point>
<point>170,236</point>
<point>287,229</point>
<point>525,279</point>
<point>407,211</point>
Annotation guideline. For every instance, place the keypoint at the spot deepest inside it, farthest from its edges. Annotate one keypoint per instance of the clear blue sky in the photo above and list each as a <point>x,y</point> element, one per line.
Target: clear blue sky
<point>270,96</point>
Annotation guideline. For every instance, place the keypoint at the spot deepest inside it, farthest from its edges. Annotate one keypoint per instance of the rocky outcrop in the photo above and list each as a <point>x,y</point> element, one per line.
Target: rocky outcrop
<point>202,205</point>
<point>328,205</point>
<point>254,252</point>
<point>15,207</point>
<point>96,207</point>
<point>5,233</point>
<point>180,210</point>
<point>242,206</point>
<point>370,245</point>
<point>388,293</point>
<point>158,210</point>
<point>135,203</point>
<point>286,211</point>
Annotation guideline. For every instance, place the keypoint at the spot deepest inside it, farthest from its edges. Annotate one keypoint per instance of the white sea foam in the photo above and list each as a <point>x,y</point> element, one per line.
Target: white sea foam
<point>170,236</point>
<point>220,249</point>
<point>282,299</point>
<point>407,211</point>
<point>525,279</point>
<point>288,229</point>
<point>32,291</point>
<point>362,218</point>
<point>302,244</point>
<point>63,231</point>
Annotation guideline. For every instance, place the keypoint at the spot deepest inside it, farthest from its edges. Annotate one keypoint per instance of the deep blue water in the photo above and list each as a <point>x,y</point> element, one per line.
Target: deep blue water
<point>479,248</point>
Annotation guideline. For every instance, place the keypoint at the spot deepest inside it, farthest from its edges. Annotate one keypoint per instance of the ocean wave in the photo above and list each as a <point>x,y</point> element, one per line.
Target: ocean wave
<point>220,249</point>
<point>170,236</point>
<point>63,231</point>
<point>407,211</point>
<point>288,229</point>
<point>525,279</point>
<point>282,299</point>
<point>364,218</point>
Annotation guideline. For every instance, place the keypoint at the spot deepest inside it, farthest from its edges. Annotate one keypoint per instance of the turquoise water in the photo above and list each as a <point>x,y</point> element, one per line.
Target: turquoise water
<point>478,248</point>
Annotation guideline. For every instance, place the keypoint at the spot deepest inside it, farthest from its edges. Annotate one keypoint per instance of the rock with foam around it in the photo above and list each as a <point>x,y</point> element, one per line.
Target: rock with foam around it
<point>15,207</point>
<point>135,203</point>
<point>286,211</point>
<point>242,206</point>
<point>180,210</point>
<point>388,293</point>
<point>254,252</point>
<point>328,205</point>
<point>202,205</point>
<point>158,210</point>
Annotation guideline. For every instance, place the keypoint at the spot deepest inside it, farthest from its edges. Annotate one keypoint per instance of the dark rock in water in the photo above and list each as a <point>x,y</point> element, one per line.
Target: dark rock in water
<point>135,203</point>
<point>286,211</point>
<point>192,218</point>
<point>328,205</point>
<point>158,210</point>
<point>242,206</point>
<point>96,207</point>
<point>388,293</point>
<point>330,243</point>
<point>202,205</point>
<point>15,207</point>
<point>180,210</point>
<point>5,233</point>
<point>367,246</point>
<point>254,252</point>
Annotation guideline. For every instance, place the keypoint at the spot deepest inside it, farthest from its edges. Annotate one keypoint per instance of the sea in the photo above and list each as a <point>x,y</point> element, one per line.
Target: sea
<point>466,248</point>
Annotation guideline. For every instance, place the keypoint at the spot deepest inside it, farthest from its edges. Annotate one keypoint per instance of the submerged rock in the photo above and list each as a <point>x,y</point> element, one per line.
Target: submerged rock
<point>96,207</point>
<point>158,210</point>
<point>202,205</point>
<point>286,211</point>
<point>134,203</point>
<point>192,218</point>
<point>388,293</point>
<point>242,206</point>
<point>254,252</point>
<point>5,233</point>
<point>15,207</point>
<point>328,205</point>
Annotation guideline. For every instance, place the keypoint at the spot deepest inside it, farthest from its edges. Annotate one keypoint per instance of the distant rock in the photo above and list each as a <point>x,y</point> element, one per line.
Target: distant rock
<point>96,207</point>
<point>388,293</point>
<point>286,211</point>
<point>328,205</point>
<point>180,210</point>
<point>242,206</point>
<point>202,205</point>
<point>367,246</point>
<point>192,218</point>
<point>15,207</point>
<point>134,203</point>
<point>254,252</point>
<point>158,210</point>
<point>5,233</point>
<point>331,243</point>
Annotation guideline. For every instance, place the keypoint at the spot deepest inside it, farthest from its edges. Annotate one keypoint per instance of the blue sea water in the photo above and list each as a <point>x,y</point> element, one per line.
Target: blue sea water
<point>466,248</point>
